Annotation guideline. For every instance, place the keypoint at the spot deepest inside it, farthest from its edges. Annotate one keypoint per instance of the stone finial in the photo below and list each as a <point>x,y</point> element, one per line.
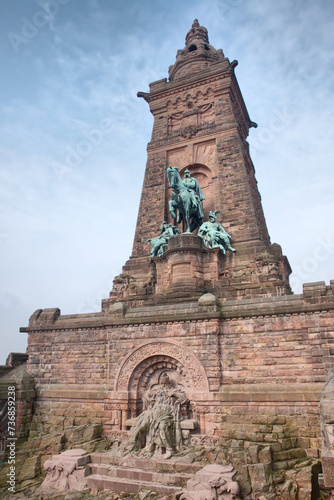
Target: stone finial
<point>197,55</point>
<point>197,32</point>
<point>118,309</point>
<point>208,299</point>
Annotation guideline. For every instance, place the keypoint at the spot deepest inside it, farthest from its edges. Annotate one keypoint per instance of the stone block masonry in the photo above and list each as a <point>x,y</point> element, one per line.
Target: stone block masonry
<point>254,371</point>
<point>226,331</point>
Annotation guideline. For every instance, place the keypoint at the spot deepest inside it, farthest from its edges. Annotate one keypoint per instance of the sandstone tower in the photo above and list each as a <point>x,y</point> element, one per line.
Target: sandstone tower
<point>201,124</point>
<point>225,331</point>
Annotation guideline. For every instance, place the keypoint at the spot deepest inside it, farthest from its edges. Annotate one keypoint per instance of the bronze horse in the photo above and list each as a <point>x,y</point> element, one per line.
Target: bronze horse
<point>182,205</point>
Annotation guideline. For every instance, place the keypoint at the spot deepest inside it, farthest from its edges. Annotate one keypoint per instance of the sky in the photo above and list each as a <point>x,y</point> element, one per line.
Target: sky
<point>74,135</point>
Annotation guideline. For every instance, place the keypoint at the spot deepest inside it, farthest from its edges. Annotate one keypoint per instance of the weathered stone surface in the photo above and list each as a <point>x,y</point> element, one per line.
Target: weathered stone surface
<point>327,427</point>
<point>260,477</point>
<point>29,469</point>
<point>265,455</point>
<point>118,308</point>
<point>65,471</point>
<point>251,357</point>
<point>82,434</point>
<point>211,482</point>
<point>289,490</point>
<point>208,299</point>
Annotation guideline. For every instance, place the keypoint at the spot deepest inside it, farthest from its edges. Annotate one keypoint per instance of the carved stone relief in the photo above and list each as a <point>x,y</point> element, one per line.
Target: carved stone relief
<point>213,482</point>
<point>66,471</point>
<point>193,119</point>
<point>157,430</point>
<point>132,370</point>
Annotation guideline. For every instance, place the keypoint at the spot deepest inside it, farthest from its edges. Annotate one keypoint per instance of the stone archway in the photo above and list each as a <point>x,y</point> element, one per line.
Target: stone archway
<point>140,365</point>
<point>141,370</point>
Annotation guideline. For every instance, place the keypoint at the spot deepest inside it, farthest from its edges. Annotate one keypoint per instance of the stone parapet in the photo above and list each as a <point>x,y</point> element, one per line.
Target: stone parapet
<point>113,315</point>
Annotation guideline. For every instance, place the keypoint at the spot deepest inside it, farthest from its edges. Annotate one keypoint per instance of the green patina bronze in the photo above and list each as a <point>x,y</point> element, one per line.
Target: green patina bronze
<point>187,197</point>
<point>214,235</point>
<point>159,243</point>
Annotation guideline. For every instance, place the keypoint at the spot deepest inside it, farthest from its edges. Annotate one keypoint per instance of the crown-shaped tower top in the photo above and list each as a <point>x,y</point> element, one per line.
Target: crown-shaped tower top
<point>196,33</point>
<point>197,55</point>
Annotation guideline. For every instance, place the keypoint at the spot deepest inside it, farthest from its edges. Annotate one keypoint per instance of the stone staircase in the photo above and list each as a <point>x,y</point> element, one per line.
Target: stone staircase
<point>132,475</point>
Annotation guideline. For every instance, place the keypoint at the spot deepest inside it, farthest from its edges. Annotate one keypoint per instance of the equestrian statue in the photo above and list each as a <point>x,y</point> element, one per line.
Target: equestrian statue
<point>186,203</point>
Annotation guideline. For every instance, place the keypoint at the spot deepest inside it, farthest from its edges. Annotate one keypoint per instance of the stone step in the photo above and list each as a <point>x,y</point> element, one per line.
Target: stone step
<point>171,465</point>
<point>169,478</point>
<point>101,482</point>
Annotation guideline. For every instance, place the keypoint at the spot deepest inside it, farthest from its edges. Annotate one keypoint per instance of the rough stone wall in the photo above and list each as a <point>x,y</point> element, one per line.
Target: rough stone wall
<point>73,357</point>
<point>235,196</point>
<point>253,370</point>
<point>151,212</point>
<point>201,337</point>
<point>59,411</point>
<point>234,190</point>
<point>278,349</point>
<point>257,366</point>
<point>202,123</point>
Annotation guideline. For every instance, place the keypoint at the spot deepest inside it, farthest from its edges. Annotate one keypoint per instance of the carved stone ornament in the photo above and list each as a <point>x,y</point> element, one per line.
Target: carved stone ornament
<point>213,482</point>
<point>66,471</point>
<point>157,430</point>
<point>133,363</point>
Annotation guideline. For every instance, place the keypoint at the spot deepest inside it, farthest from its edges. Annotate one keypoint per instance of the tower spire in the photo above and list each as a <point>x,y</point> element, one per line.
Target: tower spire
<point>197,55</point>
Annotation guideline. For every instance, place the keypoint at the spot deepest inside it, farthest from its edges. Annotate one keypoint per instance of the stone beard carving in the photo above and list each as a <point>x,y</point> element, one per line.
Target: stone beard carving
<point>157,429</point>
<point>159,243</point>
<point>214,235</point>
<point>213,482</point>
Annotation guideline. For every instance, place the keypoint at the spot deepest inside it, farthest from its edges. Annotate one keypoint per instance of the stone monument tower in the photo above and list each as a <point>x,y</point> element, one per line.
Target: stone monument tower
<point>201,342</point>
<point>201,126</point>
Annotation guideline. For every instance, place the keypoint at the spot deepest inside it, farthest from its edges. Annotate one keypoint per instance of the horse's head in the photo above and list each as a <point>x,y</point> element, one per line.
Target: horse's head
<point>173,176</point>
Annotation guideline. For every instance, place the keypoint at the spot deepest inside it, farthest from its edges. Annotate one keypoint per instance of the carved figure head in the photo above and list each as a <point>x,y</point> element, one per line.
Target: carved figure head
<point>186,173</point>
<point>164,379</point>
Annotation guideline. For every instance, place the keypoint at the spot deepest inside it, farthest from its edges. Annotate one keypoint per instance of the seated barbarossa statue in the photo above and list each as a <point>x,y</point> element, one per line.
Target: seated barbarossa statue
<point>159,243</point>
<point>214,235</point>
<point>158,426</point>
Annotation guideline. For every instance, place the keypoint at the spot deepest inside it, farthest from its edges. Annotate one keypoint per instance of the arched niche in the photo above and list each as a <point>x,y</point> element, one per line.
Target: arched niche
<point>144,365</point>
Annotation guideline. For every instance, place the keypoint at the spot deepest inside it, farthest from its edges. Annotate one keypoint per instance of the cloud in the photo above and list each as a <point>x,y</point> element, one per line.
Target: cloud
<point>66,232</point>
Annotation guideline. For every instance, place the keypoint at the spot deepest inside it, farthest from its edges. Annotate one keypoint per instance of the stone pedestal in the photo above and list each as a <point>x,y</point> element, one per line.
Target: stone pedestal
<point>186,266</point>
<point>66,471</point>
